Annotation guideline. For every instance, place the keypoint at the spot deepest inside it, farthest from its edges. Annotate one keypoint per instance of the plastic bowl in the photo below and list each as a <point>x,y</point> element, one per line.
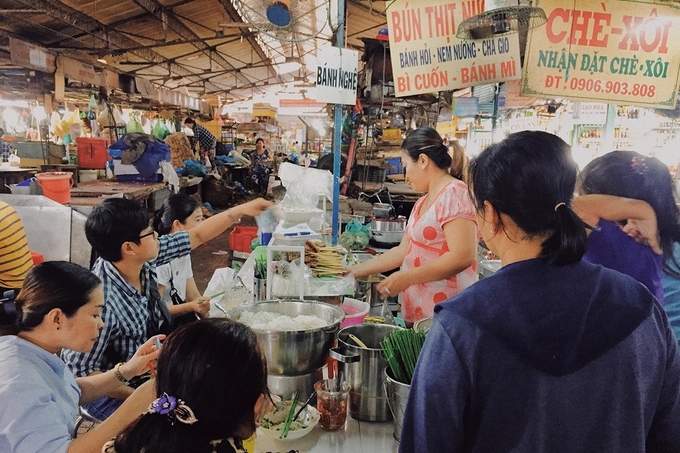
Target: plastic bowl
<point>355,311</point>
<point>309,418</point>
<point>292,216</point>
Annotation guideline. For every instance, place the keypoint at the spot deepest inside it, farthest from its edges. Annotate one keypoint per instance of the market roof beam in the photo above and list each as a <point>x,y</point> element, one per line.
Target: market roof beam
<point>145,14</point>
<point>254,44</point>
<point>168,18</point>
<point>68,15</point>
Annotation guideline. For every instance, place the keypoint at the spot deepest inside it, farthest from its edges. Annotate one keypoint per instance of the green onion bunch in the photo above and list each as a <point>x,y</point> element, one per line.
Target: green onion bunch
<point>401,349</point>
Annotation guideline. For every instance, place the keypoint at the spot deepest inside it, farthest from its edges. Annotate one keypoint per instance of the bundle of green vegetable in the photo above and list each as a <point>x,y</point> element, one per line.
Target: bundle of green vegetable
<point>401,349</point>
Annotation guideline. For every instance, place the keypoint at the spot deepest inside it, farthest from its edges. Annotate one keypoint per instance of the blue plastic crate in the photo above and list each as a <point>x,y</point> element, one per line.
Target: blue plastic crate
<point>396,163</point>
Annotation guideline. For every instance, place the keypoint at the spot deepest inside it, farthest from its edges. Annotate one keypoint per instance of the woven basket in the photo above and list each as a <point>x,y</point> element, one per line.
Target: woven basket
<point>217,193</point>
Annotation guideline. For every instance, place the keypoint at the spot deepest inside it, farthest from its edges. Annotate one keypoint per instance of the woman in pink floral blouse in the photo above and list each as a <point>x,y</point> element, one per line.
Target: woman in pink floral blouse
<point>438,250</point>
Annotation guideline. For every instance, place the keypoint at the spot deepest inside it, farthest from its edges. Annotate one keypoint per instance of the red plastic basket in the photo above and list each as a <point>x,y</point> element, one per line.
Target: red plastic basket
<point>241,237</point>
<point>93,152</point>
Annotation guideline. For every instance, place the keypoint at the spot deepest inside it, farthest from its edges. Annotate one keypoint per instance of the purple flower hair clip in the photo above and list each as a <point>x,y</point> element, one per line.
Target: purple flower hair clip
<point>638,165</point>
<point>174,408</point>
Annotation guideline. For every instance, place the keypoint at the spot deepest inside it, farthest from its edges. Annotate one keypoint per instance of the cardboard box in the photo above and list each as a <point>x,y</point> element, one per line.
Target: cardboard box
<point>40,150</point>
<point>27,162</point>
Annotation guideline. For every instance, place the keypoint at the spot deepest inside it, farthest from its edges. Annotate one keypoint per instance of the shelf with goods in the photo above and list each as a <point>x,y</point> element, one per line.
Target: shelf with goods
<point>227,135</point>
<point>248,133</point>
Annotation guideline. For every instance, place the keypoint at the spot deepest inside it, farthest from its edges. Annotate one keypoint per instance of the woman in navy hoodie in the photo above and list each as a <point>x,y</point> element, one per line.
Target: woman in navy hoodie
<point>550,354</point>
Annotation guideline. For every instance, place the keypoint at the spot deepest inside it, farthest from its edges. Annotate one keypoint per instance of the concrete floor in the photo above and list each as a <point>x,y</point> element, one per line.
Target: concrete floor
<point>212,255</point>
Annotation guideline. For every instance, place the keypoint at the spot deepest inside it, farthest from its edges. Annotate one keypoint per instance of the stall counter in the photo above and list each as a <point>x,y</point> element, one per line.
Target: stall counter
<point>357,437</point>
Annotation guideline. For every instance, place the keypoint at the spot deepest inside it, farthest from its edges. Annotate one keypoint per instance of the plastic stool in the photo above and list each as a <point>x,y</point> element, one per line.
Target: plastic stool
<point>37,258</point>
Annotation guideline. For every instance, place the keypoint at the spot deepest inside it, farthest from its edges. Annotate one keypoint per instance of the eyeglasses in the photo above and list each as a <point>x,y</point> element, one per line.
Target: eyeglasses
<point>153,232</point>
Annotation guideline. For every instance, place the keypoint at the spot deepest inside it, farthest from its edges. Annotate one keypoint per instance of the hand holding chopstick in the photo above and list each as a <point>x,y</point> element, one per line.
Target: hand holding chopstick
<point>304,405</point>
<point>289,417</point>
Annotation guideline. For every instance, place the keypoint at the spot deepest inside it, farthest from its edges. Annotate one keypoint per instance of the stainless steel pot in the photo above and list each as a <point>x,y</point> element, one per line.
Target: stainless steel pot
<point>423,324</point>
<point>488,267</point>
<point>363,369</point>
<point>387,225</point>
<point>365,289</point>
<point>386,237</point>
<point>298,352</point>
<point>383,210</point>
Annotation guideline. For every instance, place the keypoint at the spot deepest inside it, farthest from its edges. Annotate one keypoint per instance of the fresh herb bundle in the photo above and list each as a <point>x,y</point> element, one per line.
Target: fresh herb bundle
<point>401,349</point>
<point>261,269</point>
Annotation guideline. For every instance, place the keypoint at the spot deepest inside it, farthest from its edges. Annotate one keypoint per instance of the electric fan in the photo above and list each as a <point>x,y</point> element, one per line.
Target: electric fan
<point>502,21</point>
<point>284,20</point>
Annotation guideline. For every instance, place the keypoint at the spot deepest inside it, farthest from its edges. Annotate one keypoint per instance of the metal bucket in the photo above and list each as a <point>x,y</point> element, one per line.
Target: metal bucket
<point>423,324</point>
<point>365,289</point>
<point>397,395</point>
<point>488,267</point>
<point>364,370</point>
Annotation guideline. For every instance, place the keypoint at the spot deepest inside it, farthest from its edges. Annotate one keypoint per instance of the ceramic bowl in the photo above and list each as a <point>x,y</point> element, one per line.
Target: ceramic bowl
<point>274,420</point>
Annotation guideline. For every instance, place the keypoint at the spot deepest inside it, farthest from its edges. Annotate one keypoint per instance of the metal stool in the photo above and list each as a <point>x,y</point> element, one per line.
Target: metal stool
<point>85,421</point>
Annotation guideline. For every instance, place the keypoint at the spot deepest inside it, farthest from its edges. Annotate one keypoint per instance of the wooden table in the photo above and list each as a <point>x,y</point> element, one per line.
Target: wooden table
<point>92,193</point>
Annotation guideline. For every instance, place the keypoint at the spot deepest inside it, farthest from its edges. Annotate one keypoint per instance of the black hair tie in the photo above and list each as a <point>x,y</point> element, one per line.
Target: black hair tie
<point>8,309</point>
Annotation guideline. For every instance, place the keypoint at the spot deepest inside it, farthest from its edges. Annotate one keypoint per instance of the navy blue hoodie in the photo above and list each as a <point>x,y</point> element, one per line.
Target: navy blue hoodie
<point>542,358</point>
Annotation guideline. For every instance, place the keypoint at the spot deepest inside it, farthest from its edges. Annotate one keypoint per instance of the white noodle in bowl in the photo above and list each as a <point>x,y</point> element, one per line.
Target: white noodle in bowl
<point>265,320</point>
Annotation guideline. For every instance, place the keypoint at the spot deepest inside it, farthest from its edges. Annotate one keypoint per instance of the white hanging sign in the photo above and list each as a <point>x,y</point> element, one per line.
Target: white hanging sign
<point>336,75</point>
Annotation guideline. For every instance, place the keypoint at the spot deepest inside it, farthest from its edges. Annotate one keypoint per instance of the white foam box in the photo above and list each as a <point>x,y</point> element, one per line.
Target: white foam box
<point>129,173</point>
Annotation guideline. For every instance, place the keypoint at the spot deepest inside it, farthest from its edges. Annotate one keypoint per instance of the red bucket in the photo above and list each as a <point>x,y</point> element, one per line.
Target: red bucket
<point>56,185</point>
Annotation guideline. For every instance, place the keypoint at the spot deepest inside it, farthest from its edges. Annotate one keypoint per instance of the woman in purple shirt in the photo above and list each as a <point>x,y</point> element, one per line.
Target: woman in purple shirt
<point>613,244</point>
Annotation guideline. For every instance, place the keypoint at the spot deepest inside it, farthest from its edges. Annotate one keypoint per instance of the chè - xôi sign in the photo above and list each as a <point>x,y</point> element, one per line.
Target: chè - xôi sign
<point>618,51</point>
<point>427,57</point>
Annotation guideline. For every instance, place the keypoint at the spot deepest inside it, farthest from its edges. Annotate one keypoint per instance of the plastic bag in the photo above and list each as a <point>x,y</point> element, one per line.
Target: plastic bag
<point>134,125</point>
<point>288,283</point>
<point>160,131</point>
<point>303,186</point>
<point>355,236</point>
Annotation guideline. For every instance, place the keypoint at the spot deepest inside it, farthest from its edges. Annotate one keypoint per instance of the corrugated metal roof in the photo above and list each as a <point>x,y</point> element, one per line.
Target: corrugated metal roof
<point>233,62</point>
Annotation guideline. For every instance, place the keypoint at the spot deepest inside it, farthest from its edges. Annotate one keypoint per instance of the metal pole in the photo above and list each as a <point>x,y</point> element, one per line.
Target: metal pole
<point>337,133</point>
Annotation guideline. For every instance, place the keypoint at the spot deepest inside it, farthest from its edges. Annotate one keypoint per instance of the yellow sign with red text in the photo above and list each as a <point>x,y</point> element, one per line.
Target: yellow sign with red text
<point>616,51</point>
<point>427,57</point>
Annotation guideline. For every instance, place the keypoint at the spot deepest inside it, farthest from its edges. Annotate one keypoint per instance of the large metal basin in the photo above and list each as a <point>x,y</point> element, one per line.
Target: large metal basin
<point>293,353</point>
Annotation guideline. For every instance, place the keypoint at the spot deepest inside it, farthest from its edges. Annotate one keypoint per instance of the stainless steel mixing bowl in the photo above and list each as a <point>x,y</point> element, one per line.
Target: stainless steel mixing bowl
<point>294,353</point>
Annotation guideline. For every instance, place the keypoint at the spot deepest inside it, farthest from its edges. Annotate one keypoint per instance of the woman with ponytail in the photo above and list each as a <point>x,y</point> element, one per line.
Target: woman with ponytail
<point>551,353</point>
<point>647,211</point>
<point>176,283</point>
<point>211,387</point>
<point>59,306</point>
<point>439,245</point>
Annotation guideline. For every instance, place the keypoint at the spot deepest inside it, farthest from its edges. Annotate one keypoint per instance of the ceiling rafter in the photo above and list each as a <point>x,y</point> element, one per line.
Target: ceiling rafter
<point>74,18</point>
<point>234,15</point>
<point>168,17</point>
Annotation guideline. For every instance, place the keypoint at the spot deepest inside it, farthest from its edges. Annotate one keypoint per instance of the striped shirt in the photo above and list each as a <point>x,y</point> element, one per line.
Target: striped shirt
<point>15,256</point>
<point>130,318</point>
<point>206,140</point>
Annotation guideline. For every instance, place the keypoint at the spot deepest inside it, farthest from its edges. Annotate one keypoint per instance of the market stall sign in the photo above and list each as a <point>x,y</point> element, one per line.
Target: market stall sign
<point>77,70</point>
<point>336,75</point>
<point>587,113</point>
<point>427,57</point>
<point>465,106</point>
<point>615,51</point>
<point>301,103</point>
<point>30,56</point>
